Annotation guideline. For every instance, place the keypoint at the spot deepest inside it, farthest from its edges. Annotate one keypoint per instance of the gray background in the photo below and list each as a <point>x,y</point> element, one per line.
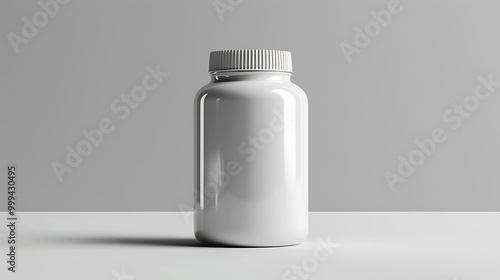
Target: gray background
<point>363,114</point>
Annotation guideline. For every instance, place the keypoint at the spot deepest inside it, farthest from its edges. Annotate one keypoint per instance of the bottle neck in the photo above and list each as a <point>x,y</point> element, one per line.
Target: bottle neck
<point>231,76</point>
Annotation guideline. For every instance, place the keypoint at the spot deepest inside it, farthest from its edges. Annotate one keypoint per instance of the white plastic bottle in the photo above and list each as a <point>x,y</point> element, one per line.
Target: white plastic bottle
<point>251,152</point>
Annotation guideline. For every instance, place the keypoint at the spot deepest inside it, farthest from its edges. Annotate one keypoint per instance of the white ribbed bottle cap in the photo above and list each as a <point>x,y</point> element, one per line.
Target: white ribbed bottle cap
<point>253,60</point>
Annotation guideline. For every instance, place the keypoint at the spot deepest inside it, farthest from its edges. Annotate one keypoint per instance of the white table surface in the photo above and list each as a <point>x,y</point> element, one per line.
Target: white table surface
<point>154,245</point>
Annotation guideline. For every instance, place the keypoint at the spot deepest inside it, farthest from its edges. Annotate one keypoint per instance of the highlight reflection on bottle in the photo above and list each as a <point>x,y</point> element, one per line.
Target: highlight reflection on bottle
<point>251,152</point>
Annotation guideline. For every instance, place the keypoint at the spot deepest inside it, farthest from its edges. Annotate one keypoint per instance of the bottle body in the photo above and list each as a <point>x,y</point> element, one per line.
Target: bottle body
<point>251,162</point>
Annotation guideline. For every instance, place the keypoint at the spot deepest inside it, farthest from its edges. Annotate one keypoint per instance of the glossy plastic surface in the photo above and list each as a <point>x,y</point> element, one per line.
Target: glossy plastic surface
<point>251,160</point>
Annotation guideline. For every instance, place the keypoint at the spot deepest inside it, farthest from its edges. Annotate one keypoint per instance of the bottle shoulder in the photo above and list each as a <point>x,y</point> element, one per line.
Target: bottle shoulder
<point>251,90</point>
